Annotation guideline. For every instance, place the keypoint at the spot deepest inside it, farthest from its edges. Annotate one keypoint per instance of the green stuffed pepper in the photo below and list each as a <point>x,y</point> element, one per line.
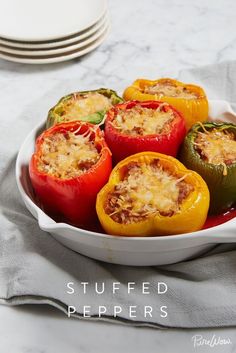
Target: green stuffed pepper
<point>89,106</point>
<point>210,150</point>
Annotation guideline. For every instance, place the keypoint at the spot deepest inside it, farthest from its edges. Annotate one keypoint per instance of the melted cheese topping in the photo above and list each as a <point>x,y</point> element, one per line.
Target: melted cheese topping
<point>217,147</point>
<point>146,190</point>
<point>143,121</point>
<point>67,155</point>
<point>170,90</point>
<point>83,105</point>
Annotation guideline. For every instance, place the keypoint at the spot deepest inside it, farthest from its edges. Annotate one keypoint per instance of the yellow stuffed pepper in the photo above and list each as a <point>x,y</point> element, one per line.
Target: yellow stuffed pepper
<point>188,99</point>
<point>151,194</point>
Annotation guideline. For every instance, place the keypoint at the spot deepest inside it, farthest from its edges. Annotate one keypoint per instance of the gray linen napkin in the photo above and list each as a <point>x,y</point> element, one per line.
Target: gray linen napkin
<point>35,268</point>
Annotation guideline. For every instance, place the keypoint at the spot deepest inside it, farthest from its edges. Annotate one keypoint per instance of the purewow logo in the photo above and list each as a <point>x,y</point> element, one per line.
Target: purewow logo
<point>213,341</point>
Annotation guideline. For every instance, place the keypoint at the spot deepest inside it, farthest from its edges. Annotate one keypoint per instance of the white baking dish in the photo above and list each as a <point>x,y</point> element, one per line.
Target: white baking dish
<point>122,250</point>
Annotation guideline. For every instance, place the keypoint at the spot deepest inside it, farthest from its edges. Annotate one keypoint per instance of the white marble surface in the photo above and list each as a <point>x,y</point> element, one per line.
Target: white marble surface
<point>149,38</point>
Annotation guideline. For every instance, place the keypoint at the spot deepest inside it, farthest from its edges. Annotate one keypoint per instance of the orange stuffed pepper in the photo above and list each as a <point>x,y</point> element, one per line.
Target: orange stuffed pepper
<point>151,194</point>
<point>188,99</point>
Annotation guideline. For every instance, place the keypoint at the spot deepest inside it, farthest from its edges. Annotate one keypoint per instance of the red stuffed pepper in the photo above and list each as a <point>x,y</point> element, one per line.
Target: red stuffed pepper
<point>70,165</point>
<point>134,127</point>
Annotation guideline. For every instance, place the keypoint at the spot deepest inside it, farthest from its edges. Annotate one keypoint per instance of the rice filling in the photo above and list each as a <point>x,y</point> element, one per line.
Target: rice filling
<point>146,190</point>
<point>169,90</point>
<point>216,147</point>
<point>79,106</point>
<point>67,155</point>
<point>143,121</point>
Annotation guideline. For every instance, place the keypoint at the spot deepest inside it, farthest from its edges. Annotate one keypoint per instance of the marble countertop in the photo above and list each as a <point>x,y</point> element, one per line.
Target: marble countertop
<point>150,39</point>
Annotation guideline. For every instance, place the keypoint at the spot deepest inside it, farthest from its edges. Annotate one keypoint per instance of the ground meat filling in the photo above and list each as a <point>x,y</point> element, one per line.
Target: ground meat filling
<point>216,147</point>
<point>67,155</point>
<point>144,121</point>
<point>146,190</point>
<point>79,106</point>
<point>168,89</point>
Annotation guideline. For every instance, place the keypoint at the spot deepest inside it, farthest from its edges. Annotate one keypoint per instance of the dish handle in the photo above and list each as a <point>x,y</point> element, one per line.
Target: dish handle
<point>44,221</point>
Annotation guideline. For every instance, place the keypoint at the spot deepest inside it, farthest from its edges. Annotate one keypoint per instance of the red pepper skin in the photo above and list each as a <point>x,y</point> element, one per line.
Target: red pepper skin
<point>71,200</point>
<point>123,145</point>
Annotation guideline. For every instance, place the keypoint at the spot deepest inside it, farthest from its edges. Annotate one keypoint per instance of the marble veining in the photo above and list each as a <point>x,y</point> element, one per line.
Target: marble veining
<point>149,38</point>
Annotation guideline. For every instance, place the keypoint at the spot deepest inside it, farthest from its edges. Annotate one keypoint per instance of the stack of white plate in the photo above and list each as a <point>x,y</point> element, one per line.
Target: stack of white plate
<point>49,31</point>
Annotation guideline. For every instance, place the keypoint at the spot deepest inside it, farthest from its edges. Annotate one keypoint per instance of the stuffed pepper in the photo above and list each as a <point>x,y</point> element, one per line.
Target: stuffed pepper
<point>210,150</point>
<point>70,165</point>
<point>188,99</point>
<point>134,127</point>
<point>89,106</point>
<point>152,194</point>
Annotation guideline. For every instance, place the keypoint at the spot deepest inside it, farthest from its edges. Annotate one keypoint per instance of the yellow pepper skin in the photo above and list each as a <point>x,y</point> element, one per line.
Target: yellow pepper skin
<point>193,110</point>
<point>190,218</point>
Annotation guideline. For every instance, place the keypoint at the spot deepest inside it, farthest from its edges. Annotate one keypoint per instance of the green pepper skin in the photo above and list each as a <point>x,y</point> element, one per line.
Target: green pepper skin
<point>222,188</point>
<point>96,118</point>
